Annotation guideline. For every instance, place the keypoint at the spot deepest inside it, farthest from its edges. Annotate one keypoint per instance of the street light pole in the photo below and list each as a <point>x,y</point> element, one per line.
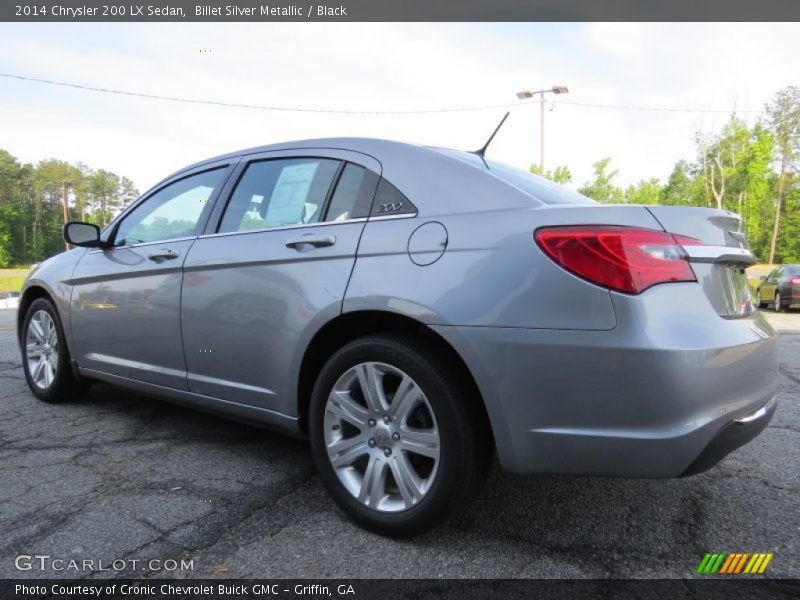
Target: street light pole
<point>527,94</point>
<point>541,135</point>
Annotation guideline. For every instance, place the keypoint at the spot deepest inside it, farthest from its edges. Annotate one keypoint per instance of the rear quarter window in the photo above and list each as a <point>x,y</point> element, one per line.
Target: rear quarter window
<point>390,201</point>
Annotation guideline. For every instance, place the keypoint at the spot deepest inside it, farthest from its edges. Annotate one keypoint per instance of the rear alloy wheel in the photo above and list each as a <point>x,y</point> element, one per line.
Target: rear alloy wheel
<point>381,437</point>
<point>395,436</point>
<point>777,302</point>
<point>45,357</point>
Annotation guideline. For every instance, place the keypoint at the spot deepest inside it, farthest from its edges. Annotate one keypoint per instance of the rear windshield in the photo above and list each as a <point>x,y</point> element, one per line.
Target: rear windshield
<point>537,187</point>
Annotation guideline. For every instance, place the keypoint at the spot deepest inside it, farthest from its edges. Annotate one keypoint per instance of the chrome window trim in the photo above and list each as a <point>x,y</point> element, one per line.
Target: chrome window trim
<point>392,217</point>
<point>262,230</point>
<point>282,228</point>
<point>143,244</point>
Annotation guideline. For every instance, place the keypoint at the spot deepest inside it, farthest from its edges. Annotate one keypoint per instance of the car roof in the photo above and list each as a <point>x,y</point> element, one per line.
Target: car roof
<point>370,146</point>
<point>436,182</point>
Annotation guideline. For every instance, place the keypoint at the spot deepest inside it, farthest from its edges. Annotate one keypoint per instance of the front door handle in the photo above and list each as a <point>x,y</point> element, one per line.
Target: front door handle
<point>317,241</point>
<point>163,255</point>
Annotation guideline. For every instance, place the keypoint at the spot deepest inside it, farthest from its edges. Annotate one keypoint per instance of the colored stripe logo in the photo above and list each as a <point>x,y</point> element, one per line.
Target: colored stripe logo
<point>734,562</point>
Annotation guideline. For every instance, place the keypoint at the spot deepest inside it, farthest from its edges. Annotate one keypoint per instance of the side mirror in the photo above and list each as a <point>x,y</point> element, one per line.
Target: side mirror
<point>86,235</point>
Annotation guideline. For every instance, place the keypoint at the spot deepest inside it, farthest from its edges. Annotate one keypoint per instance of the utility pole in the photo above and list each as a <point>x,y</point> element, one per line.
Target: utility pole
<point>541,136</point>
<point>527,94</point>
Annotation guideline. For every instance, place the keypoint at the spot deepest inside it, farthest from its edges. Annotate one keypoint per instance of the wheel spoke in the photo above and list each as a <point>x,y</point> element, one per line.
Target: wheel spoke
<point>48,373</point>
<point>408,482</point>
<point>343,445</point>
<point>341,404</point>
<point>424,442</point>
<point>373,486</point>
<point>348,457</point>
<point>371,382</point>
<point>34,349</point>
<point>35,326</point>
<point>405,399</point>
<point>36,374</point>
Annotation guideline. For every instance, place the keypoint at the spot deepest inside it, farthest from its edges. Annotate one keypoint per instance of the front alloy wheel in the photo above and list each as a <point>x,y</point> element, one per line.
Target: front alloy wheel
<point>45,356</point>
<point>381,437</point>
<point>41,349</point>
<point>400,440</point>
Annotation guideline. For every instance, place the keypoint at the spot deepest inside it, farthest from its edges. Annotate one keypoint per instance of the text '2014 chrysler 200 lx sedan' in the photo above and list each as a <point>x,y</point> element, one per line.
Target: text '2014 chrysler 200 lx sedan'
<point>414,311</point>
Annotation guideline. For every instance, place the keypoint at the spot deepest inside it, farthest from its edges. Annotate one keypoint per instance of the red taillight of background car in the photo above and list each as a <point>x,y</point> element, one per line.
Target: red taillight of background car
<point>795,280</point>
<point>626,259</point>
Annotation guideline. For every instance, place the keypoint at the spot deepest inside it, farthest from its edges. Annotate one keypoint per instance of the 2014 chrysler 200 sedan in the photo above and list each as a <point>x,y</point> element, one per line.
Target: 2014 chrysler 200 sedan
<point>414,311</point>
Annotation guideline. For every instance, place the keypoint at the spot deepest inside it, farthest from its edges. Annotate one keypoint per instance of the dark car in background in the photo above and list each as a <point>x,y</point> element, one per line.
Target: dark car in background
<point>780,289</point>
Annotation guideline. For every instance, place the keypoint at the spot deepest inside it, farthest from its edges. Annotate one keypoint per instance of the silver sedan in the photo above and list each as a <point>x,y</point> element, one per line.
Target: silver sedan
<point>414,311</point>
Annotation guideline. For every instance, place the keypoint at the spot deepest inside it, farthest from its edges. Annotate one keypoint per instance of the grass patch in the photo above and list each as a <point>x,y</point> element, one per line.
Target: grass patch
<point>11,280</point>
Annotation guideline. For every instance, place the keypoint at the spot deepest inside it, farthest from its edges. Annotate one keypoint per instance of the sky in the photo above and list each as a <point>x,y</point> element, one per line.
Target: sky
<point>389,67</point>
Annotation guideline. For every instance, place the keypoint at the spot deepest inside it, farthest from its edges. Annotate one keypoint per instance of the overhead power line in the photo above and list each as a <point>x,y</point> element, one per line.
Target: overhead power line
<point>655,108</point>
<point>90,88</point>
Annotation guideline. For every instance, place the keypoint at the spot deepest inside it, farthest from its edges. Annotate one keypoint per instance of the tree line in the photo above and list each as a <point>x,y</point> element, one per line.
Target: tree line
<point>753,171</point>
<point>32,204</point>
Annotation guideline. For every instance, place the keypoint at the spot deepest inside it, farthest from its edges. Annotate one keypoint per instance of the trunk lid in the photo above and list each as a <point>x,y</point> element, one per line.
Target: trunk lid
<point>720,262</point>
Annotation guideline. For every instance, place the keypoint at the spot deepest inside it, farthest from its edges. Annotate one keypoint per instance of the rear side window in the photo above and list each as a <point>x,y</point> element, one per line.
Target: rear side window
<point>280,192</point>
<point>354,193</point>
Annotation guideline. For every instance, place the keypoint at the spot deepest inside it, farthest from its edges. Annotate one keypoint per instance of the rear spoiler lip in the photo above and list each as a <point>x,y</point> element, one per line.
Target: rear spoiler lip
<point>720,254</point>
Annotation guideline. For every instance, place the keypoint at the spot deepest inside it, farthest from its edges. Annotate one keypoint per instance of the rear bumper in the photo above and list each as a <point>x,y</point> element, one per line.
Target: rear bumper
<point>732,436</point>
<point>631,402</point>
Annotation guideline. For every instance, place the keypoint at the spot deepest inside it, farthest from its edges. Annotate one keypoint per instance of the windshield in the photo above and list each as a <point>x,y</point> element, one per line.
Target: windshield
<point>537,187</point>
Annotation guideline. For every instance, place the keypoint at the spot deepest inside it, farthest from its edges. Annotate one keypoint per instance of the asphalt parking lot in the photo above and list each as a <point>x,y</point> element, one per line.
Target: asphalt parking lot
<point>120,476</point>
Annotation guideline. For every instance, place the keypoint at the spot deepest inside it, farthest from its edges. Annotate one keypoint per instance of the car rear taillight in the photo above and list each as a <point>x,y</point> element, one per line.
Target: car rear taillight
<point>626,259</point>
<point>795,280</point>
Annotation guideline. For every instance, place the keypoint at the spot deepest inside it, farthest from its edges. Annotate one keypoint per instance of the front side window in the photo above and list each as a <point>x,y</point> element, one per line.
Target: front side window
<point>280,192</point>
<point>172,212</point>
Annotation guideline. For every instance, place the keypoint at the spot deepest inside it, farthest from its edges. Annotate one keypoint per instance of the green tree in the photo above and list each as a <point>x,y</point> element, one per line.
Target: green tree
<point>783,116</point>
<point>754,186</point>
<point>683,187</point>
<point>32,204</point>
<point>602,188</point>
<point>104,188</point>
<point>789,239</point>
<point>10,207</point>
<point>560,174</point>
<point>644,192</point>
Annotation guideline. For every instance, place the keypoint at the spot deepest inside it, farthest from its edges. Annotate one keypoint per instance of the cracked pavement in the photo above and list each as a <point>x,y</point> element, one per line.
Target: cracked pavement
<point>117,475</point>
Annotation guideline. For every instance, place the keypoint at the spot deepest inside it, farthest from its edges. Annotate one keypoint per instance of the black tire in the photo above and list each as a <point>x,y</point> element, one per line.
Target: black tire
<point>64,386</point>
<point>759,303</point>
<point>466,448</point>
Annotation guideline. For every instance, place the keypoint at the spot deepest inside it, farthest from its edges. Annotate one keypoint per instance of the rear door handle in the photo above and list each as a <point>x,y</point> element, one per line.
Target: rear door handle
<point>163,255</point>
<point>317,241</point>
